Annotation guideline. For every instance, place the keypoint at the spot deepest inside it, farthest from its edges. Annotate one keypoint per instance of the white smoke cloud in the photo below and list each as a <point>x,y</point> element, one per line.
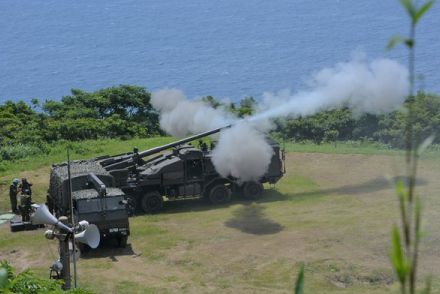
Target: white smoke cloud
<point>242,152</point>
<point>180,117</point>
<point>377,87</point>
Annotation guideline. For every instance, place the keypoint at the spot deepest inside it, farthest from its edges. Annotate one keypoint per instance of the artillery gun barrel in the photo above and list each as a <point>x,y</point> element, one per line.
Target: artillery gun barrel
<point>127,160</point>
<point>180,142</point>
<point>97,184</point>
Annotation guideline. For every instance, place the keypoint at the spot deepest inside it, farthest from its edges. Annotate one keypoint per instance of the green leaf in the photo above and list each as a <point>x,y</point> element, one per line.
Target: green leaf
<point>400,190</point>
<point>422,10</point>
<point>425,144</point>
<point>3,277</point>
<point>409,43</point>
<point>299,285</point>
<point>394,40</point>
<point>409,6</point>
<point>398,259</point>
<point>418,214</point>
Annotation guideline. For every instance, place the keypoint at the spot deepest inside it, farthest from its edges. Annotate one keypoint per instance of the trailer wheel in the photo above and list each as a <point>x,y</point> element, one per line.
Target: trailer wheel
<point>152,202</point>
<point>252,190</point>
<point>219,194</point>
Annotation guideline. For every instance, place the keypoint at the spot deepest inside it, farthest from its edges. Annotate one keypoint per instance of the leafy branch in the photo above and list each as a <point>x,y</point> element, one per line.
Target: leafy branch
<point>404,257</point>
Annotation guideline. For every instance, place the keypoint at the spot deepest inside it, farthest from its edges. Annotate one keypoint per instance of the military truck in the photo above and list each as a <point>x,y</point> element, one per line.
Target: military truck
<point>182,172</point>
<point>94,196</point>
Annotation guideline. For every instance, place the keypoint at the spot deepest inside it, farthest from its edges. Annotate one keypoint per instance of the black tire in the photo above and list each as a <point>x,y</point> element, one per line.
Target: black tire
<point>122,241</point>
<point>219,194</point>
<point>152,202</point>
<point>252,190</point>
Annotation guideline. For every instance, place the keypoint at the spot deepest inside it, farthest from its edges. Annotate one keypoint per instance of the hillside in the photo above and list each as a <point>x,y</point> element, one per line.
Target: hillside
<point>334,212</point>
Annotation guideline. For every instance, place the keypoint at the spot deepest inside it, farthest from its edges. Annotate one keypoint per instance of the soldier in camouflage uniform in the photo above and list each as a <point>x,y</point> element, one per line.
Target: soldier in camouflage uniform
<point>13,191</point>
<point>25,187</point>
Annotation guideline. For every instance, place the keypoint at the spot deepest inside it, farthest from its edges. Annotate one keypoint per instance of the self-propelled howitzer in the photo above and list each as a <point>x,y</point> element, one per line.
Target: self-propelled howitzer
<point>179,170</point>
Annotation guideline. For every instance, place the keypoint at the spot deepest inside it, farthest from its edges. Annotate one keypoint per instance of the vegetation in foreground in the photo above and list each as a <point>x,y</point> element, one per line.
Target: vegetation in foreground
<point>27,282</point>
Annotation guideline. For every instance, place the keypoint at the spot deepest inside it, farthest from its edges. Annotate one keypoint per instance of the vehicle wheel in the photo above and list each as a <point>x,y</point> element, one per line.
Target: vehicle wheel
<point>219,194</point>
<point>252,190</point>
<point>152,202</point>
<point>122,241</point>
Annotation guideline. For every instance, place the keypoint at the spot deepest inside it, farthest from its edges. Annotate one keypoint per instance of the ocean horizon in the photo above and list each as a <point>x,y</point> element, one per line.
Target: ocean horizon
<point>227,49</point>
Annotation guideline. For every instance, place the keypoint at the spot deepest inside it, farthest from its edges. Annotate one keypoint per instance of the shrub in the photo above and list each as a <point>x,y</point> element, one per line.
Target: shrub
<point>27,282</point>
<point>14,152</point>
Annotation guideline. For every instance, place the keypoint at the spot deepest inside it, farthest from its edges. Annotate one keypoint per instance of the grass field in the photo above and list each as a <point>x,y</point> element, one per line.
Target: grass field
<point>333,212</point>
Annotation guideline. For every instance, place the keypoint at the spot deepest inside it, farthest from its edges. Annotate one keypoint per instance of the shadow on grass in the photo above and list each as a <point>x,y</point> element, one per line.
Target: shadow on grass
<point>201,204</point>
<point>109,249</point>
<point>251,219</point>
<point>374,185</point>
<point>273,195</point>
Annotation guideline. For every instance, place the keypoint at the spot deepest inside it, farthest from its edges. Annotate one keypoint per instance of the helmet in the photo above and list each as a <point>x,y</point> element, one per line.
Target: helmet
<point>15,181</point>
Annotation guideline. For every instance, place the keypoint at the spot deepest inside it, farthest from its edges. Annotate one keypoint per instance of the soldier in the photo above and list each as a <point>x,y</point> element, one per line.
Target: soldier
<point>203,146</point>
<point>13,191</point>
<point>25,187</point>
<point>136,157</point>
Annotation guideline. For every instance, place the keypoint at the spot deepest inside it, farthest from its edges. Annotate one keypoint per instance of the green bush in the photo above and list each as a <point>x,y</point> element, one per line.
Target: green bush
<point>342,125</point>
<point>27,282</point>
<point>125,112</point>
<point>18,151</point>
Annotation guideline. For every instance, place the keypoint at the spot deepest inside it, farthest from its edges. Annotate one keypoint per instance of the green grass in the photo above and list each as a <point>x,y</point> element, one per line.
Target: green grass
<point>349,147</point>
<point>57,152</point>
<point>355,147</point>
<point>341,238</point>
<point>79,150</point>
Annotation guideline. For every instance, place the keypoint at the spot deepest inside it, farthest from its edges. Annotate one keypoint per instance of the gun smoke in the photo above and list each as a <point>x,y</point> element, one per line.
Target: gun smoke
<point>180,116</point>
<point>377,87</point>
<point>242,150</point>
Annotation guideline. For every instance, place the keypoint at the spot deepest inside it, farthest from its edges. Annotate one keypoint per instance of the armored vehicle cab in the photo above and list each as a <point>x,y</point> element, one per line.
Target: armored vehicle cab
<point>94,198</point>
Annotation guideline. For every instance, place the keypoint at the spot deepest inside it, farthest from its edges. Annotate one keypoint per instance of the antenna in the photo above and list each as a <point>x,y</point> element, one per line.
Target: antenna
<point>71,215</point>
<point>283,155</point>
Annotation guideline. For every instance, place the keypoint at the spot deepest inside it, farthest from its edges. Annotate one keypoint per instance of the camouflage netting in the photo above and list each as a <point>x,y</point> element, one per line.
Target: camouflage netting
<point>92,193</point>
<point>79,170</point>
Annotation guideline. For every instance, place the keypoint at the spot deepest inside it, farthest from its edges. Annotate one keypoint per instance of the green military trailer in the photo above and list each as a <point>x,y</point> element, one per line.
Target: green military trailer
<point>94,197</point>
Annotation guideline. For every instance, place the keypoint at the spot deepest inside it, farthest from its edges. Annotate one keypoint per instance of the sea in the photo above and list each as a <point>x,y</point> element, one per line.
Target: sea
<point>226,48</point>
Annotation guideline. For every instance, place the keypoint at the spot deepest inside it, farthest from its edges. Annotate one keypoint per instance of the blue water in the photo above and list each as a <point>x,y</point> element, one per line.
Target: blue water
<point>225,48</point>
